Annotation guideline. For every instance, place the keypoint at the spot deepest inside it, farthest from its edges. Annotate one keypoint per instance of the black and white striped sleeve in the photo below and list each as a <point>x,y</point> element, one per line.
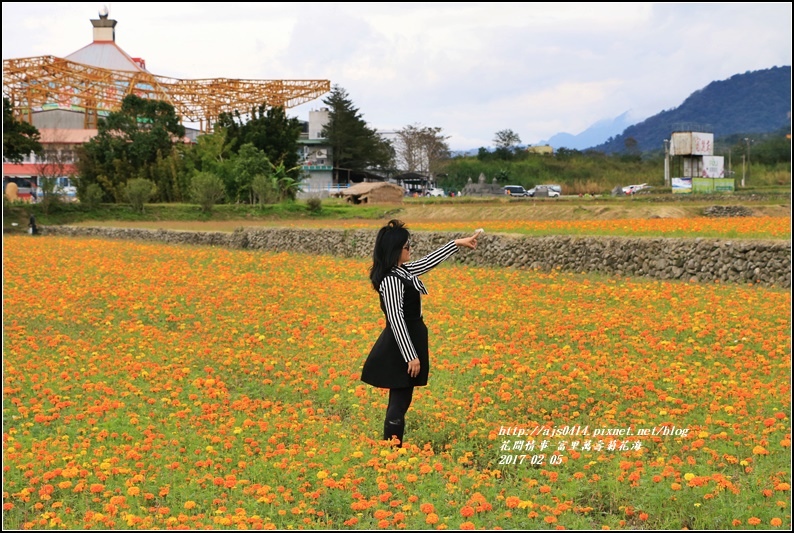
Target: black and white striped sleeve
<point>393,291</point>
<point>431,260</point>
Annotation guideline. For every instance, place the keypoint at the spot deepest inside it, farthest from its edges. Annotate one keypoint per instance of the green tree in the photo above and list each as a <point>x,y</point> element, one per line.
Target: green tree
<point>139,191</point>
<point>213,153</point>
<point>506,143</point>
<point>206,189</point>
<point>265,189</point>
<point>250,162</point>
<point>286,185</point>
<point>19,137</point>
<point>128,143</point>
<point>355,146</point>
<point>268,130</point>
<point>91,196</point>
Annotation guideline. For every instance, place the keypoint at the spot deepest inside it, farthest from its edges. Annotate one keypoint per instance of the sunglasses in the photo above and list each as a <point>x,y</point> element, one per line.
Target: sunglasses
<point>407,247</point>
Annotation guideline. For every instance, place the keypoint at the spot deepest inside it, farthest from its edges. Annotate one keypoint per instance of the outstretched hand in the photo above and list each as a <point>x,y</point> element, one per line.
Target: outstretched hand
<point>469,242</point>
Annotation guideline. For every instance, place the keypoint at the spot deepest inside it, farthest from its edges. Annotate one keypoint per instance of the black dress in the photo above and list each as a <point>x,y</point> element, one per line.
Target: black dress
<point>387,364</point>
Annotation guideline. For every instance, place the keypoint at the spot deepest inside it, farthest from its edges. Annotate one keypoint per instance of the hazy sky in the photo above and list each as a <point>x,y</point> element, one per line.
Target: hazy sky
<point>470,68</point>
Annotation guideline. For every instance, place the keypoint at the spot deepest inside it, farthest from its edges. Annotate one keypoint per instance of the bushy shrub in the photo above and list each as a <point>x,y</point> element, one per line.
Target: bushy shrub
<point>92,196</point>
<point>265,189</point>
<point>48,198</point>
<point>314,204</point>
<point>139,191</point>
<point>207,189</point>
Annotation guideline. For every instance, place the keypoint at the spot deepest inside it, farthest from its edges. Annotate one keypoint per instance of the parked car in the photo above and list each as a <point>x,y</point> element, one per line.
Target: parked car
<point>435,191</point>
<point>549,191</point>
<point>633,189</point>
<point>515,190</point>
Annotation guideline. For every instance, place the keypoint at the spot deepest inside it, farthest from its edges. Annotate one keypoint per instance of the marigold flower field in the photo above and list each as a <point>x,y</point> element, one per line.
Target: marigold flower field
<point>762,227</point>
<point>149,386</point>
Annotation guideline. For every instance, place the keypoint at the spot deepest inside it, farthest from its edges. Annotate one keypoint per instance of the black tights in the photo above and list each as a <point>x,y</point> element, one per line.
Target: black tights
<point>399,402</point>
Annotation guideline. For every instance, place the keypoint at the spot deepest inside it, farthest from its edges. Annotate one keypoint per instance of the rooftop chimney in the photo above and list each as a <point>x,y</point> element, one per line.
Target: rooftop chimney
<point>104,28</point>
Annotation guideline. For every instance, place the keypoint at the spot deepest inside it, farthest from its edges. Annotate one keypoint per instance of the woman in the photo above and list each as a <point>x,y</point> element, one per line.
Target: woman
<point>399,359</point>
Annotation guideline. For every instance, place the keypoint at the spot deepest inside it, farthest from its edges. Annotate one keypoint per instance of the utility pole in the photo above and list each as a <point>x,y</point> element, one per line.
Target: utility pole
<point>667,162</point>
<point>744,168</point>
<point>747,141</point>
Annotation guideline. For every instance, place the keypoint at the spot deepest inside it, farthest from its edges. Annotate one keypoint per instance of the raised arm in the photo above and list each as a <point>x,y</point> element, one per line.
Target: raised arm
<point>436,257</point>
<point>392,291</point>
<point>431,260</point>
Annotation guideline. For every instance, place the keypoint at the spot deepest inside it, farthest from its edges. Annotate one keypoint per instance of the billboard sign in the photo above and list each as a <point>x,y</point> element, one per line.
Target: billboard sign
<point>682,185</point>
<point>713,166</point>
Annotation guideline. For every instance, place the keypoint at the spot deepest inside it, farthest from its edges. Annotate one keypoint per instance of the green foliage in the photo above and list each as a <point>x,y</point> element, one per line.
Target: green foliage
<point>265,189</point>
<point>49,199</point>
<point>506,143</point>
<point>134,142</point>
<point>91,196</point>
<point>248,163</point>
<point>19,138</point>
<point>169,174</point>
<point>268,130</point>
<point>314,204</point>
<point>355,146</point>
<point>139,191</point>
<point>286,186</point>
<point>206,190</point>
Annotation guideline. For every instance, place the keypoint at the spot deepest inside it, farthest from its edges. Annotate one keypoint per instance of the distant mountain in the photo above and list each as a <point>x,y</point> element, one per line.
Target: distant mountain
<point>753,102</point>
<point>595,134</point>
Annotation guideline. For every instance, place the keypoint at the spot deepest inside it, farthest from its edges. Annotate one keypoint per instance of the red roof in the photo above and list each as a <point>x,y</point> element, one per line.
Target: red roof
<point>32,169</point>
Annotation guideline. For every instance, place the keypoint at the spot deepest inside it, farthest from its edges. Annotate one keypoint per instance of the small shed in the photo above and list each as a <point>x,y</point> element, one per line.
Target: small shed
<point>373,192</point>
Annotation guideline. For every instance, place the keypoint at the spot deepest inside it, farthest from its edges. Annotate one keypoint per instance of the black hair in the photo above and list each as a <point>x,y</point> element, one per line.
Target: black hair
<point>388,247</point>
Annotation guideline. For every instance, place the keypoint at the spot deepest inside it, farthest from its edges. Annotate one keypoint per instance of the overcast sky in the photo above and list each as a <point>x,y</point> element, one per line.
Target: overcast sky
<point>469,68</point>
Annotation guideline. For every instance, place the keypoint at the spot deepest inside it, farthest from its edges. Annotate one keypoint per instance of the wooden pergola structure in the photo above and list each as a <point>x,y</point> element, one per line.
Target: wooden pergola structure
<point>38,83</point>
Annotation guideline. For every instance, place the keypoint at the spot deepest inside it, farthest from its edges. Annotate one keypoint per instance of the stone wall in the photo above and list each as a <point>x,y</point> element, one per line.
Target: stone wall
<point>765,262</point>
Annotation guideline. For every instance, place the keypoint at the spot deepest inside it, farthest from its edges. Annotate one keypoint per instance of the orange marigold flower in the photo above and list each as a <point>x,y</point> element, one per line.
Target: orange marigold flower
<point>782,486</point>
<point>467,525</point>
<point>550,519</point>
<point>512,502</point>
<point>427,508</point>
<point>432,518</point>
<point>96,488</point>
<point>467,511</point>
<point>753,521</point>
<point>760,450</point>
<point>776,522</point>
<point>190,504</point>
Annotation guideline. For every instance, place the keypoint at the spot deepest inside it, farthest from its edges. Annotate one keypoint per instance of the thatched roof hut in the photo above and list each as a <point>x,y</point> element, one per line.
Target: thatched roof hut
<point>373,192</point>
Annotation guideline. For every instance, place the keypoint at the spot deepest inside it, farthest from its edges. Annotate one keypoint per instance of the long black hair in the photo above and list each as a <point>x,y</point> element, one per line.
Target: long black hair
<point>388,247</point>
